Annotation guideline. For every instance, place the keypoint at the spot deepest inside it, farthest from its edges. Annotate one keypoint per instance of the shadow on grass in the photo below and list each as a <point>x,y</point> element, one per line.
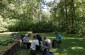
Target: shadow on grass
<point>72,47</point>
<point>21,51</point>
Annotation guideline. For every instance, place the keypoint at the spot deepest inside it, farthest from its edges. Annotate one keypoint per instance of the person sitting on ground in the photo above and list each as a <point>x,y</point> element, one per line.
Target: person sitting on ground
<point>25,40</point>
<point>34,43</point>
<point>58,37</point>
<point>40,42</point>
<point>47,44</point>
<point>39,38</point>
<point>56,40</point>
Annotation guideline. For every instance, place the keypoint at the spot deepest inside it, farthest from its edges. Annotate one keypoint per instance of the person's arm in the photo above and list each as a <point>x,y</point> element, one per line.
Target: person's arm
<point>32,45</point>
<point>60,36</point>
<point>56,36</point>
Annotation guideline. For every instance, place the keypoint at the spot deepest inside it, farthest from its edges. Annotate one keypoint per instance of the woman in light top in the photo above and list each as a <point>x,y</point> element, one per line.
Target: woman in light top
<point>34,43</point>
<point>25,40</point>
<point>47,44</point>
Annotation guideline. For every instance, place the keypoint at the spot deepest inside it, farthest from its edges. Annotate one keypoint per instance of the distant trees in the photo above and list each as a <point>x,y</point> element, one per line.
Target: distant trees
<point>27,15</point>
<point>66,13</point>
<point>3,24</point>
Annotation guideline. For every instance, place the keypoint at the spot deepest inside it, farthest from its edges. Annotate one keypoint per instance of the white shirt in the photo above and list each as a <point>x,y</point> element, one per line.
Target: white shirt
<point>47,43</point>
<point>34,43</point>
<point>48,40</point>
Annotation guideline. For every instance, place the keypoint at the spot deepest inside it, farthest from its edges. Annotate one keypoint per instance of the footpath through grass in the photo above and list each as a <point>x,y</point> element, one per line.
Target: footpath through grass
<point>71,45</point>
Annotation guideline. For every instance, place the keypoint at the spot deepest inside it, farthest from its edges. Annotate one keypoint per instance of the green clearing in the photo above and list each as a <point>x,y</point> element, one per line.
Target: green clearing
<point>71,45</point>
<point>44,16</point>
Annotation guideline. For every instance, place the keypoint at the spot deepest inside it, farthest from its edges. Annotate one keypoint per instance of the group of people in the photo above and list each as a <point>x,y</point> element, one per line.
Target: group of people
<point>41,44</point>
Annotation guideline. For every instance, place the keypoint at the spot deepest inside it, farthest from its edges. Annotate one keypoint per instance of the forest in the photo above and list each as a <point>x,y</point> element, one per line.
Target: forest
<point>43,17</point>
<point>31,15</point>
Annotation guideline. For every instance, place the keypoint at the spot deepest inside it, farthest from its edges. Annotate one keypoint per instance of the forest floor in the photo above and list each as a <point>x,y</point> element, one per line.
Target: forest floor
<point>71,45</point>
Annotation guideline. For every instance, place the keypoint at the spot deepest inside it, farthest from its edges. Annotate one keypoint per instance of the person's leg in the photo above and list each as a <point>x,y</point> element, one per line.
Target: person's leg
<point>24,45</point>
<point>59,43</point>
<point>32,52</point>
<point>54,43</point>
<point>57,40</point>
<point>28,45</point>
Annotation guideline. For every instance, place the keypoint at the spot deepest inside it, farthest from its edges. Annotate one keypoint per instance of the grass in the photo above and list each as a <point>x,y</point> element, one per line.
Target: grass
<point>71,45</point>
<point>22,51</point>
<point>4,48</point>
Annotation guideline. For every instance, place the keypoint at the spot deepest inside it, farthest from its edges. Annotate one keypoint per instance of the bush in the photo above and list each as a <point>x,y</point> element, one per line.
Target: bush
<point>43,27</point>
<point>34,27</point>
<point>19,34</point>
<point>6,41</point>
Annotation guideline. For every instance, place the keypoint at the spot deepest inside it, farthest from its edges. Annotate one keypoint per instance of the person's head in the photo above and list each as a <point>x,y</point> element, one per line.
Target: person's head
<point>26,35</point>
<point>29,34</point>
<point>38,35</point>
<point>34,37</point>
<point>56,32</point>
<point>45,38</point>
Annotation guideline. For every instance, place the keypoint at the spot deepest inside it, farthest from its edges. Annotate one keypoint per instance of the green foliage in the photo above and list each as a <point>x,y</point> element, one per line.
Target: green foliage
<point>35,27</point>
<point>3,24</point>
<point>6,41</point>
<point>68,15</point>
<point>27,15</point>
<point>71,45</point>
<point>43,27</point>
<point>2,6</point>
<point>19,34</point>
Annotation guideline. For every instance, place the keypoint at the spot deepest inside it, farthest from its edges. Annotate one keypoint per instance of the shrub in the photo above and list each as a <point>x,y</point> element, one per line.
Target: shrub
<point>19,34</point>
<point>6,41</point>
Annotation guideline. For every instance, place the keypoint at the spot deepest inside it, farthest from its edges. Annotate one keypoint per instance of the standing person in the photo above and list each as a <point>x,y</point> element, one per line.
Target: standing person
<point>47,44</point>
<point>34,43</point>
<point>25,40</point>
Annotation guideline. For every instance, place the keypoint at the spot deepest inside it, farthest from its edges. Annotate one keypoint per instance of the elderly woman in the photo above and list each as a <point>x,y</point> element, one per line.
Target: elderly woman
<point>34,43</point>
<point>47,44</point>
<point>25,40</point>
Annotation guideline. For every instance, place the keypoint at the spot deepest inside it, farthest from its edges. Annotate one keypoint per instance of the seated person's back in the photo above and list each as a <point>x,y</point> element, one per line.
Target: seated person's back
<point>58,36</point>
<point>39,39</point>
<point>47,43</point>
<point>25,39</point>
<point>34,43</point>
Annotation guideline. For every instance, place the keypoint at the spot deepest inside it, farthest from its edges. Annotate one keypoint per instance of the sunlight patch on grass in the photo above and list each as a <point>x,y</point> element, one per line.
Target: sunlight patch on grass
<point>75,48</point>
<point>15,32</point>
<point>51,37</point>
<point>72,38</point>
<point>65,50</point>
<point>53,50</point>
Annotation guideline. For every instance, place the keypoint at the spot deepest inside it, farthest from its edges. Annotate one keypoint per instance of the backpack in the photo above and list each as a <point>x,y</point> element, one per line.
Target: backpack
<point>47,53</point>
